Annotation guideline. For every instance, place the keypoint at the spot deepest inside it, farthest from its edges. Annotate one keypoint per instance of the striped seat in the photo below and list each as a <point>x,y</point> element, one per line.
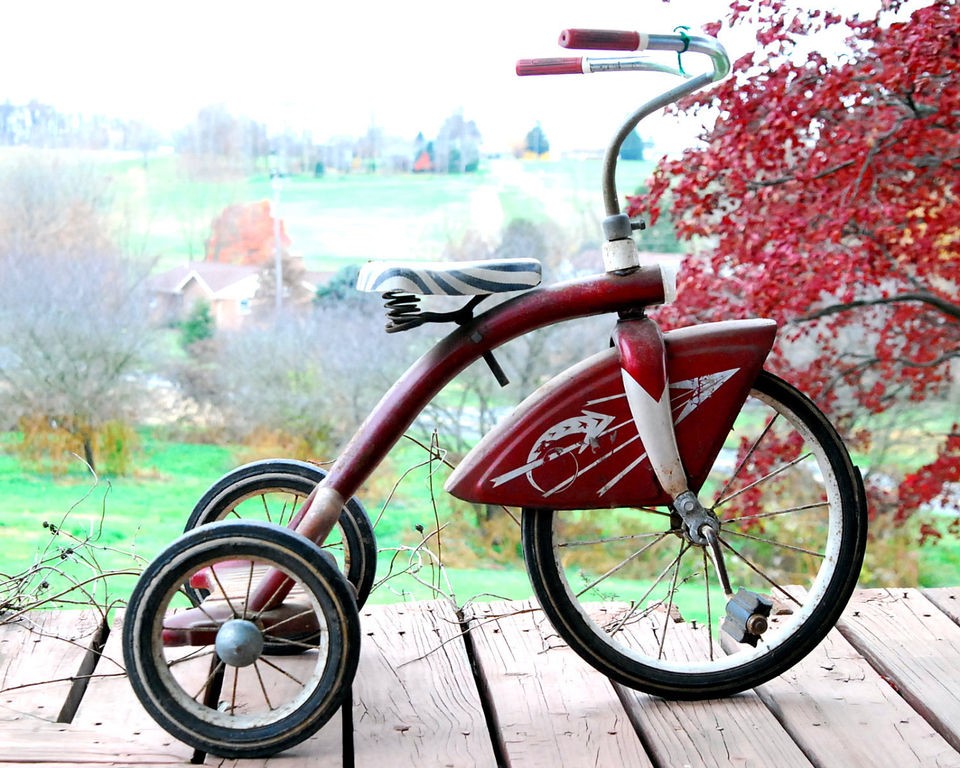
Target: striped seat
<point>450,278</point>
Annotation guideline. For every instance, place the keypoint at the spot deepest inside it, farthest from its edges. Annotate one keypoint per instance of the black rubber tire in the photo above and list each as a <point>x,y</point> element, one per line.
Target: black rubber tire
<point>207,728</point>
<point>289,476</point>
<point>619,658</point>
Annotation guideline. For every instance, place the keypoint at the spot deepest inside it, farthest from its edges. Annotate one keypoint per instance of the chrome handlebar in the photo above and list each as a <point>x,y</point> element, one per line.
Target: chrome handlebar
<point>631,41</point>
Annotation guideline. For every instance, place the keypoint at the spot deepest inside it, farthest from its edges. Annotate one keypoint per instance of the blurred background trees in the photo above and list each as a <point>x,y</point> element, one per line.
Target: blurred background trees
<point>73,326</point>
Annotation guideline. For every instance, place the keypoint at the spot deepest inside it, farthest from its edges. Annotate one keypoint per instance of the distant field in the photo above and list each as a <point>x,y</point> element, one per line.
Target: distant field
<point>348,218</point>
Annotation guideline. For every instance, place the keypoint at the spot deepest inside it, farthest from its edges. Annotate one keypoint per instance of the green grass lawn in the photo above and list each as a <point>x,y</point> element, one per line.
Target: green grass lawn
<point>130,519</point>
<point>140,515</point>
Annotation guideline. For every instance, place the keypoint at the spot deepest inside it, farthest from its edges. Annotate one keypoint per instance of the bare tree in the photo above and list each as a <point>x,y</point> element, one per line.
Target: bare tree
<point>310,375</point>
<point>220,145</point>
<point>73,319</point>
<point>457,148</point>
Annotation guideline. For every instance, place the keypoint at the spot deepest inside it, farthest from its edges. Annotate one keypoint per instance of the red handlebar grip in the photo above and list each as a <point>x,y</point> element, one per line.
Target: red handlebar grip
<point>600,39</point>
<point>565,66</point>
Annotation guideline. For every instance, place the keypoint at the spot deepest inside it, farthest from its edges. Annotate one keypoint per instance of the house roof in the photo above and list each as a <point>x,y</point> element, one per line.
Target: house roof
<point>219,280</point>
<point>215,278</point>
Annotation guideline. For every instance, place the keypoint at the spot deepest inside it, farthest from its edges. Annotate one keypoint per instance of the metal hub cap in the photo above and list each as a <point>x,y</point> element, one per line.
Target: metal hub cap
<point>239,642</point>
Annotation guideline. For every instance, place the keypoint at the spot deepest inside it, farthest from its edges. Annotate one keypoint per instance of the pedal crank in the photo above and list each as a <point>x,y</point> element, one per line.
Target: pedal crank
<point>709,533</point>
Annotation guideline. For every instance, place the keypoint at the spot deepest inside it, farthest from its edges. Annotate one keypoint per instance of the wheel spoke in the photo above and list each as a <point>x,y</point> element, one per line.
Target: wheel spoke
<point>706,586</point>
<point>612,539</point>
<point>246,599</point>
<point>653,511</point>
<point>305,612</point>
<point>266,507</point>
<point>670,595</point>
<point>223,592</point>
<point>281,670</point>
<point>621,565</point>
<point>218,669</point>
<point>263,687</point>
<point>201,652</point>
<point>621,622</point>
<point>777,513</point>
<point>743,462</point>
<point>773,543</point>
<point>293,509</point>
<point>291,643</point>
<point>233,692</point>
<point>760,572</point>
<point>273,596</point>
<point>779,470</point>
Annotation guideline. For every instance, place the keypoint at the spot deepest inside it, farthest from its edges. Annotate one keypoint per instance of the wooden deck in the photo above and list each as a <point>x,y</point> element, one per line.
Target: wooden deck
<point>882,690</point>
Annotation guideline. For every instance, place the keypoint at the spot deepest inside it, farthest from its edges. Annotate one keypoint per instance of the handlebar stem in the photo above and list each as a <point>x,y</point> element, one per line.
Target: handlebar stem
<point>610,200</point>
<point>619,250</point>
<point>695,44</point>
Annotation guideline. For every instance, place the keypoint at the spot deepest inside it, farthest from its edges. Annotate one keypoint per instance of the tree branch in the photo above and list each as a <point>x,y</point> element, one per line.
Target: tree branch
<point>908,363</point>
<point>755,185</point>
<point>932,300</point>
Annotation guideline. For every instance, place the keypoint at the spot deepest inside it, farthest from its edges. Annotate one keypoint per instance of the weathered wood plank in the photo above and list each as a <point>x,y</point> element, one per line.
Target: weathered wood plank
<point>738,730</point>
<point>415,699</point>
<point>913,645</point>
<point>947,599</point>
<point>110,706</point>
<point>416,702</point>
<point>841,712</point>
<point>552,708</point>
<point>321,749</point>
<point>40,655</point>
<point>38,742</point>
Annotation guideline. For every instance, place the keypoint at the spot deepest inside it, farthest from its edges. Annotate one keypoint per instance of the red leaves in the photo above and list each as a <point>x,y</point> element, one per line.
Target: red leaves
<point>713,28</point>
<point>929,533</point>
<point>932,481</point>
<point>825,197</point>
<point>244,234</point>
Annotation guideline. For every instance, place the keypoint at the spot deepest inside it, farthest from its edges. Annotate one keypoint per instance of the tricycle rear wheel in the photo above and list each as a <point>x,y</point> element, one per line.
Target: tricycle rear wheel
<point>202,672</point>
<point>273,490</point>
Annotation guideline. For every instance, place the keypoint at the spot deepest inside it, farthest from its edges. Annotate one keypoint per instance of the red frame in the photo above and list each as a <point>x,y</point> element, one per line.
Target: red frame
<point>695,350</point>
<point>396,411</point>
<point>595,295</point>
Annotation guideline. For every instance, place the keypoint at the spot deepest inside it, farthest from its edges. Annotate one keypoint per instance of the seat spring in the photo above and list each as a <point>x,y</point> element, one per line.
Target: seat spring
<point>403,311</point>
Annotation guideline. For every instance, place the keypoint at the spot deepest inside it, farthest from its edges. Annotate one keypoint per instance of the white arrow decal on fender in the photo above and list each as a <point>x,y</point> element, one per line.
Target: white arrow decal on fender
<point>686,397</point>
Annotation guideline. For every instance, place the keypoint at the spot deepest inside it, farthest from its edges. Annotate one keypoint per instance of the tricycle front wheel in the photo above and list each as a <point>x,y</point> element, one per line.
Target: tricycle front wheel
<point>638,597</point>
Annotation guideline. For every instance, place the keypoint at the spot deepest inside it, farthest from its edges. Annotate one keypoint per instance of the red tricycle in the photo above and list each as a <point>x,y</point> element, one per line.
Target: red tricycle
<point>666,479</point>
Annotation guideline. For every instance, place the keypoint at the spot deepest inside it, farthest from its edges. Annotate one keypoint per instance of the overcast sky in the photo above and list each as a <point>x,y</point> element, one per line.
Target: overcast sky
<point>335,67</point>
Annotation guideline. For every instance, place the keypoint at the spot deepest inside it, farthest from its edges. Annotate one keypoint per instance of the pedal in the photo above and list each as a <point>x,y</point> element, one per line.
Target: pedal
<point>747,614</point>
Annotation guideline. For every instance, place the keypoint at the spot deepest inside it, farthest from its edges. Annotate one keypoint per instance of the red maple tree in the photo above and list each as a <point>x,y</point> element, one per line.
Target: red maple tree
<point>244,233</point>
<point>827,196</point>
